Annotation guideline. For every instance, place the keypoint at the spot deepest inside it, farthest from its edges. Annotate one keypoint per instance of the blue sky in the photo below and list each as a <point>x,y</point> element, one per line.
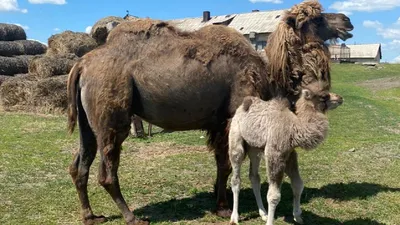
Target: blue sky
<point>375,21</point>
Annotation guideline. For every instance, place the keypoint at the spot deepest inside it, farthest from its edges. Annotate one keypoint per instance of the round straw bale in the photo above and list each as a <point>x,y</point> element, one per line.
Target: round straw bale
<point>131,18</point>
<point>14,65</point>
<point>21,47</point>
<point>4,78</point>
<point>103,26</point>
<point>78,43</point>
<point>51,93</point>
<point>11,32</point>
<point>16,91</point>
<point>29,94</point>
<point>51,65</point>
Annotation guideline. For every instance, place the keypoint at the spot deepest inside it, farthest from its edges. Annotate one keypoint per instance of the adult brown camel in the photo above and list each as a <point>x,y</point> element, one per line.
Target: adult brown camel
<point>185,81</point>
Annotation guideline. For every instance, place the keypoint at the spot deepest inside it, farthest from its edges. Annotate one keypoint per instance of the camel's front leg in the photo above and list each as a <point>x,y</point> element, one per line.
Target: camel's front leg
<point>292,170</point>
<point>219,142</point>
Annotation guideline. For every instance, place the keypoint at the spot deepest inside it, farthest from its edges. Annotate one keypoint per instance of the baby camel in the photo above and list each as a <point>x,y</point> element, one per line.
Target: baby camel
<point>270,127</point>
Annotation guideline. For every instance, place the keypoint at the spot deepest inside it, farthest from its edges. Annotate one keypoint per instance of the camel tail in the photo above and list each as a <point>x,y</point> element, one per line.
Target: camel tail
<point>72,88</point>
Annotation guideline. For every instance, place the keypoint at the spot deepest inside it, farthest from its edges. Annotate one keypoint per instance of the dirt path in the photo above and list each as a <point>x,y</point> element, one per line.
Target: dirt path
<point>381,83</point>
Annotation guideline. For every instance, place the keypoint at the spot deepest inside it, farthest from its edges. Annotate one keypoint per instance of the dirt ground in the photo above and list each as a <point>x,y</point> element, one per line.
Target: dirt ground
<point>381,84</point>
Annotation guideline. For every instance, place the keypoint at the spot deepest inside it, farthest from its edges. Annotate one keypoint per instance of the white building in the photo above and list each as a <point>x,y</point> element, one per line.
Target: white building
<point>255,26</point>
<point>362,53</point>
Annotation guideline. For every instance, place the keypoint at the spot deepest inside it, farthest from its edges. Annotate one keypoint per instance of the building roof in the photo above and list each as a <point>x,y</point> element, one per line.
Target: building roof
<point>363,50</point>
<point>259,22</point>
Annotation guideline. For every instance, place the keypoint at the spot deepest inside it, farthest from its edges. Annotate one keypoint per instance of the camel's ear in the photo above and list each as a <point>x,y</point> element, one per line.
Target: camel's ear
<point>307,94</point>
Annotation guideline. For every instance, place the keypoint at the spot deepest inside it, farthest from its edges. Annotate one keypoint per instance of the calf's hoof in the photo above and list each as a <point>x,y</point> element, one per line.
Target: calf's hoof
<point>92,220</point>
<point>298,220</point>
<point>223,212</point>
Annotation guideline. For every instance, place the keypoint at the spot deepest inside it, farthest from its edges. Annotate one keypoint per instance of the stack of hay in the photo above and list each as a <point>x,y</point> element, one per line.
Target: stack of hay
<point>44,88</point>
<point>16,51</point>
<point>102,28</point>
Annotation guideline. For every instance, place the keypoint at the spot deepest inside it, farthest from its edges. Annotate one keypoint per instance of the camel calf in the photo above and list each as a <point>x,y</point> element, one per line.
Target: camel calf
<point>271,127</point>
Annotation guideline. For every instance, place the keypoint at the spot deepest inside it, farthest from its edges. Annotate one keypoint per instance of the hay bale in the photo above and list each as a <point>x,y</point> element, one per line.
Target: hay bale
<point>22,47</point>
<point>14,65</point>
<point>29,94</point>
<point>66,42</point>
<point>11,32</point>
<point>50,93</point>
<point>16,91</point>
<point>51,65</point>
<point>103,26</point>
<point>4,78</point>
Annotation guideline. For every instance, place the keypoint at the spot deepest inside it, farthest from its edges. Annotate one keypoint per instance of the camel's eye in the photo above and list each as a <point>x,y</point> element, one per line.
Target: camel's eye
<point>324,98</point>
<point>346,19</point>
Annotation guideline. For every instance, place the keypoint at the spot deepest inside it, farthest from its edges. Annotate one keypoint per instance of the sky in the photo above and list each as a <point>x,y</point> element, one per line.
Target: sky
<point>375,21</point>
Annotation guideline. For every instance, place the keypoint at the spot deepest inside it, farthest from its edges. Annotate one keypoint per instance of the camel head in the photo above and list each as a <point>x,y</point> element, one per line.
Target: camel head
<point>317,96</point>
<point>307,19</point>
<point>333,26</point>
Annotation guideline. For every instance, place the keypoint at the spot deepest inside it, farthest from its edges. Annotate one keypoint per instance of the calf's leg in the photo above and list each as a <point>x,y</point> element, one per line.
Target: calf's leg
<point>255,158</point>
<point>292,170</point>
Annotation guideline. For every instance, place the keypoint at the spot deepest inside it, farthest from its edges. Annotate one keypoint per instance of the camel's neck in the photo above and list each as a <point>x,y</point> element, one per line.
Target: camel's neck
<point>311,127</point>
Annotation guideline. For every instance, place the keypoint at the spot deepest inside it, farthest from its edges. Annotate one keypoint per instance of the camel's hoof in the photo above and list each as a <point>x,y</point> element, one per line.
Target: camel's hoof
<point>264,218</point>
<point>223,212</point>
<point>92,220</point>
<point>298,220</point>
<point>139,222</point>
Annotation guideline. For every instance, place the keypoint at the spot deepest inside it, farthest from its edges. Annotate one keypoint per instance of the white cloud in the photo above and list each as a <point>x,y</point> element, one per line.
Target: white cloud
<point>38,41</point>
<point>392,32</point>
<point>398,21</point>
<point>347,13</point>
<point>372,24</point>
<point>389,33</point>
<point>396,60</point>
<point>393,45</point>
<point>271,1</point>
<point>88,29</point>
<point>23,26</point>
<point>56,2</point>
<point>365,5</point>
<point>56,29</point>
<point>11,5</point>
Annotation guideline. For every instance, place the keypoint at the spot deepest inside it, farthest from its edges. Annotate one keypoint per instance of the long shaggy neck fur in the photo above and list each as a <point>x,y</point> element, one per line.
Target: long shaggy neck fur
<point>296,54</point>
<point>312,126</point>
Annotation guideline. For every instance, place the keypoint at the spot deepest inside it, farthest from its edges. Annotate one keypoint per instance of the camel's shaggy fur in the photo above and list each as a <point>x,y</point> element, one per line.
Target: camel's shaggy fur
<point>296,50</point>
<point>179,81</point>
<point>270,126</point>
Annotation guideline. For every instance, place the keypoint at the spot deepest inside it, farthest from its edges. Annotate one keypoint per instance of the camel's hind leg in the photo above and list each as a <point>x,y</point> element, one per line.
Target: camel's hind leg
<point>79,169</point>
<point>255,158</point>
<point>109,141</point>
<point>276,162</point>
<point>236,156</point>
<point>292,170</point>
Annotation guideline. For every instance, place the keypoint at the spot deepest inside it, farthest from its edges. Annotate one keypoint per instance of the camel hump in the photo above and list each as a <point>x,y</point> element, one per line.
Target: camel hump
<point>137,26</point>
<point>247,101</point>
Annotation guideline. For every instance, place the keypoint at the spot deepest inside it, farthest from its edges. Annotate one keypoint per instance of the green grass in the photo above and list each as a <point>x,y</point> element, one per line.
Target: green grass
<point>352,179</point>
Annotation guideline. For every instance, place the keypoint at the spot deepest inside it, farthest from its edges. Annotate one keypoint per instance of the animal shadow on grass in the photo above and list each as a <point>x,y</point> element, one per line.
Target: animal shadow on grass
<point>199,205</point>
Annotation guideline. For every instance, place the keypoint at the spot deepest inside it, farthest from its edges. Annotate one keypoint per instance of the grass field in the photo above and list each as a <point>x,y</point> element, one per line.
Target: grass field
<point>352,179</point>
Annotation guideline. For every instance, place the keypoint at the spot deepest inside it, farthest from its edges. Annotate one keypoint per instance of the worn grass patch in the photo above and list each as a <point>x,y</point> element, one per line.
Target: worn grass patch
<point>352,179</point>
